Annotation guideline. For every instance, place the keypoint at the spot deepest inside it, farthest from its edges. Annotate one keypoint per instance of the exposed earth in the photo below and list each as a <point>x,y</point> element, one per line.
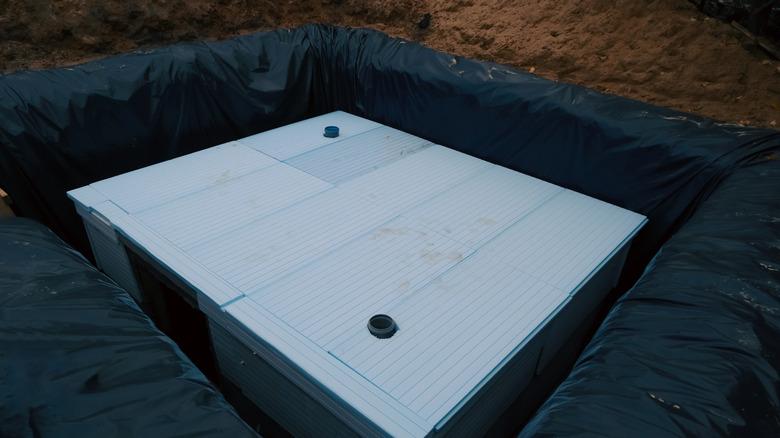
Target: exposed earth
<point>660,51</point>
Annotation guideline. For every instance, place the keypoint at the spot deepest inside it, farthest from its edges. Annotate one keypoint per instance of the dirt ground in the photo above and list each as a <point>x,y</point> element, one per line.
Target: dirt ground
<point>660,51</point>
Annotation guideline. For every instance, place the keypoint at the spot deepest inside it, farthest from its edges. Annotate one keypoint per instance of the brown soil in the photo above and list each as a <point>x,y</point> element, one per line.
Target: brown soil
<point>660,51</point>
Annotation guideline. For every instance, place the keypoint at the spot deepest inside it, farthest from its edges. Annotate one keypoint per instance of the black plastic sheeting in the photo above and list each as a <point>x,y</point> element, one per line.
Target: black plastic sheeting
<point>692,349</point>
<point>61,129</point>
<point>762,17</point>
<point>79,358</point>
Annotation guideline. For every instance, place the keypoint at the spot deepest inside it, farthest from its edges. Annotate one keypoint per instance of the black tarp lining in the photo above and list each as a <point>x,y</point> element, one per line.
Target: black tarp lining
<point>761,17</point>
<point>64,128</point>
<point>78,357</point>
<point>692,348</point>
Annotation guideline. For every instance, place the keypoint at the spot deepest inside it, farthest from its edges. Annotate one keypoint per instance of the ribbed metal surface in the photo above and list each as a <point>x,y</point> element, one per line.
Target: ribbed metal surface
<point>295,240</point>
<point>112,259</point>
<point>566,239</point>
<point>253,256</point>
<point>198,217</point>
<point>362,278</point>
<point>453,333</point>
<point>483,206</point>
<point>304,136</point>
<point>419,178</point>
<point>358,155</point>
<point>164,182</point>
<point>456,330</point>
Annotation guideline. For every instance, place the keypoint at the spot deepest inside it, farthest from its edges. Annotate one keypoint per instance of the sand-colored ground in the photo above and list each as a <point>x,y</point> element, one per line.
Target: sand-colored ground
<point>660,51</point>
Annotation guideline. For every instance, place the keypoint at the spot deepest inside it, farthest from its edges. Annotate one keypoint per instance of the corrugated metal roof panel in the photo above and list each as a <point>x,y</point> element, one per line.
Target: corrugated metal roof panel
<point>452,333</point>
<point>418,178</point>
<point>198,217</point>
<point>155,185</point>
<point>298,138</point>
<point>566,239</point>
<point>252,256</point>
<point>481,207</point>
<point>361,278</point>
<point>357,155</point>
<point>456,330</point>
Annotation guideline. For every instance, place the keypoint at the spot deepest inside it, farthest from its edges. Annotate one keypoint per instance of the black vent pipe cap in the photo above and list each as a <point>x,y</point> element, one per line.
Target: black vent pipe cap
<point>382,326</point>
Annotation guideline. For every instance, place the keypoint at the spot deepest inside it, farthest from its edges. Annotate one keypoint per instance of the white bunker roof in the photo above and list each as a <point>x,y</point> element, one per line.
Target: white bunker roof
<point>299,239</point>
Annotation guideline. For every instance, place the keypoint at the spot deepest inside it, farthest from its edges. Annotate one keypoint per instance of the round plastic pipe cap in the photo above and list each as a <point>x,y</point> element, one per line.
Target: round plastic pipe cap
<point>382,326</point>
<point>331,131</point>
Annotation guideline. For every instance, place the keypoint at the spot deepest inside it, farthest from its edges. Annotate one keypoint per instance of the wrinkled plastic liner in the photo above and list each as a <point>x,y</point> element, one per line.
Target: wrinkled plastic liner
<point>65,128</point>
<point>79,358</point>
